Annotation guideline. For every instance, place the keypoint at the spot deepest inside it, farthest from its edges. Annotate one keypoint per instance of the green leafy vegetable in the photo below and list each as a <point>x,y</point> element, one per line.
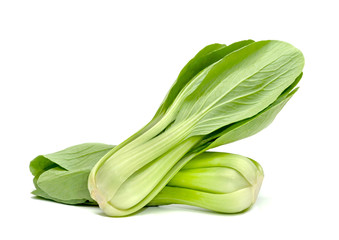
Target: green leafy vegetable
<point>221,182</point>
<point>222,95</point>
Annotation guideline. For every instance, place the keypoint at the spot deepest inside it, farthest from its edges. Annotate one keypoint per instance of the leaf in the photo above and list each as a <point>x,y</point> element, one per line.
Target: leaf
<point>241,85</point>
<point>83,156</point>
<point>62,176</point>
<point>65,185</point>
<point>40,193</point>
<point>40,164</point>
<point>206,57</point>
<point>255,124</point>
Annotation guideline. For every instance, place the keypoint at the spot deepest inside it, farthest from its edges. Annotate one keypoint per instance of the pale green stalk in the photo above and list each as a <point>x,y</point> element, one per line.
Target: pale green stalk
<point>220,182</point>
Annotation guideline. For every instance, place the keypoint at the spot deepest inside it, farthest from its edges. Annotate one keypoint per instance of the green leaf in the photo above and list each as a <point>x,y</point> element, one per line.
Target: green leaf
<point>81,156</point>
<point>253,125</point>
<point>241,85</point>
<point>40,164</point>
<point>206,57</point>
<point>62,176</point>
<point>65,185</point>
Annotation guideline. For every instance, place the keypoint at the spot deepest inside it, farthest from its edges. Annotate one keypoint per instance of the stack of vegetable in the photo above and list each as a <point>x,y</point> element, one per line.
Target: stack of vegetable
<point>224,94</point>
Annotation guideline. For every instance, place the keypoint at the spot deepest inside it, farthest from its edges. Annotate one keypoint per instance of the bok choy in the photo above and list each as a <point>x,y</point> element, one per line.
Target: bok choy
<point>225,93</point>
<point>221,182</point>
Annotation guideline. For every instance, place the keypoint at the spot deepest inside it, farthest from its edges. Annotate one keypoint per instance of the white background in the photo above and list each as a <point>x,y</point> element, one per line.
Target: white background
<point>96,71</point>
